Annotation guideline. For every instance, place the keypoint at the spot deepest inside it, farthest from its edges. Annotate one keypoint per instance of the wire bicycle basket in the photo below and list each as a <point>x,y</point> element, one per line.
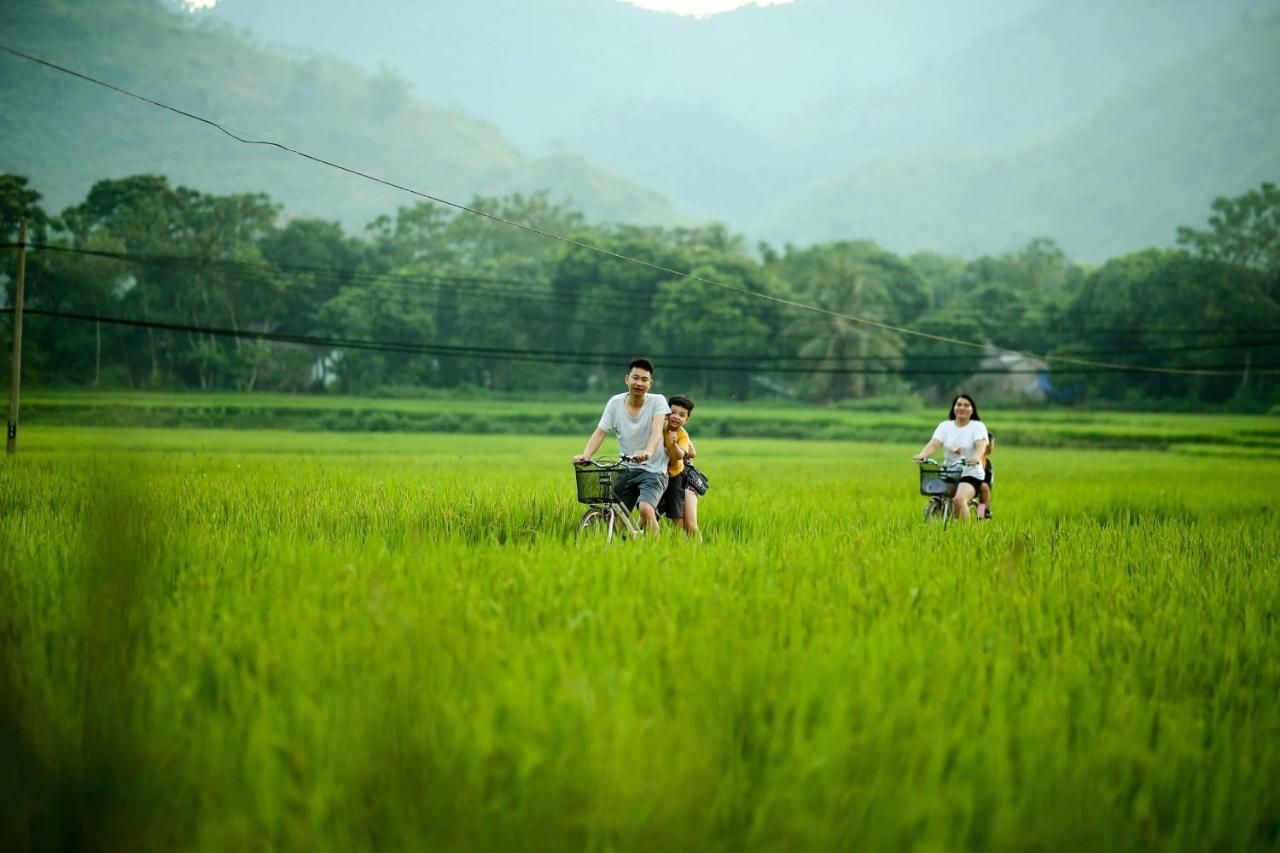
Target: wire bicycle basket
<point>938,479</point>
<point>595,481</point>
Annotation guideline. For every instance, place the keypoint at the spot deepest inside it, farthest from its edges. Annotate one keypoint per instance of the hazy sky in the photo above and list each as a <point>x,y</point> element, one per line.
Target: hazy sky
<point>699,8</point>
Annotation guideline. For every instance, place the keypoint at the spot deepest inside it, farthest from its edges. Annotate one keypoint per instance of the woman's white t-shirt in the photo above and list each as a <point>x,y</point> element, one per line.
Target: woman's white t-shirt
<point>964,438</point>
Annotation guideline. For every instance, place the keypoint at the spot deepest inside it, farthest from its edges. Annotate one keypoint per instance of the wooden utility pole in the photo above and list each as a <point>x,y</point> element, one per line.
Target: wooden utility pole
<point>11,446</point>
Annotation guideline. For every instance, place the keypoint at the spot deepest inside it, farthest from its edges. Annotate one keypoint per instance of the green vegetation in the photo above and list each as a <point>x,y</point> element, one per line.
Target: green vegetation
<point>228,639</point>
<point>433,299</point>
<point>1200,434</point>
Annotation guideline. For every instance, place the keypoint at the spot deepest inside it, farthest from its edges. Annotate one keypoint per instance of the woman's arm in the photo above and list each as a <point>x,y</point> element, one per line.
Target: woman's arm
<point>933,445</point>
<point>979,451</point>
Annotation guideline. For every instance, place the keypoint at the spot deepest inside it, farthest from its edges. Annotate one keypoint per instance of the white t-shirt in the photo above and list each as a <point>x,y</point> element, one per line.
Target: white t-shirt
<point>953,437</point>
<point>634,432</point>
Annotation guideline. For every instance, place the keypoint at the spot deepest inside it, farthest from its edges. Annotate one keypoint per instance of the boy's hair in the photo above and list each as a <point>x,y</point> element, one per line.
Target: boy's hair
<point>641,362</point>
<point>682,401</point>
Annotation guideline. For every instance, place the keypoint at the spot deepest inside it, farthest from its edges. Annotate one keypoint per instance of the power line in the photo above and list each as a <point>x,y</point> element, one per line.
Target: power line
<point>599,249</point>
<point>538,356</point>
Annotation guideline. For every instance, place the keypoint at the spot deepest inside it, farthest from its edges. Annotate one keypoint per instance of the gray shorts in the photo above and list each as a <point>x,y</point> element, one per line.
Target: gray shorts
<point>637,484</point>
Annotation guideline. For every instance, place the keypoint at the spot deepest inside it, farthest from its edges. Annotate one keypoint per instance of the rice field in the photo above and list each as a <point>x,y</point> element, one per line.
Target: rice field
<point>244,639</point>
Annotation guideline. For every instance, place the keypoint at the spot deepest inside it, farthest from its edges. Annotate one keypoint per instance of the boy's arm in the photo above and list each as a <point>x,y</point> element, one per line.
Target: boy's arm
<point>669,442</point>
<point>593,444</point>
<point>692,452</point>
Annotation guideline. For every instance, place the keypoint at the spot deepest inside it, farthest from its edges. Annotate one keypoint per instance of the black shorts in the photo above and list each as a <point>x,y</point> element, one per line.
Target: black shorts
<point>989,477</point>
<point>972,481</point>
<point>672,503</point>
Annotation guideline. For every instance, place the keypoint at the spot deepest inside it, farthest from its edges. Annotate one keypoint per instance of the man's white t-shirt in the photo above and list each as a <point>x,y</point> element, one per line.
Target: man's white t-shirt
<point>964,438</point>
<point>634,432</point>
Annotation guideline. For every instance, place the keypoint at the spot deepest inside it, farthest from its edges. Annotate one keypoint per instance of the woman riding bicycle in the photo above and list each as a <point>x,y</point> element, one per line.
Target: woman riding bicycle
<point>964,438</point>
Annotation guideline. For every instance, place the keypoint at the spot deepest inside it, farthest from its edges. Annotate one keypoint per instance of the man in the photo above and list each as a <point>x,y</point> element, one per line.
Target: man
<point>638,419</point>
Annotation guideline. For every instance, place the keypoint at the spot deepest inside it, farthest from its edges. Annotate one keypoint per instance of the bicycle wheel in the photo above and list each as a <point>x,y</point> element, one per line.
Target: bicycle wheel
<point>935,511</point>
<point>597,523</point>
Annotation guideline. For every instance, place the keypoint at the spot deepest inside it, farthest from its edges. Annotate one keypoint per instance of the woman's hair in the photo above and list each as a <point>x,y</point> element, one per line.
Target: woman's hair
<point>951,415</point>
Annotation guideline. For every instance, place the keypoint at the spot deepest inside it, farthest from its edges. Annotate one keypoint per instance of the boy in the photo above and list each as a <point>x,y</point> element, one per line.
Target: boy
<point>637,418</point>
<point>679,448</point>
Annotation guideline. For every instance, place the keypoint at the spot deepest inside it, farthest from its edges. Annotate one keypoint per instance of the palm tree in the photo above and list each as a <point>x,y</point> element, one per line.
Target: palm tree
<point>847,289</point>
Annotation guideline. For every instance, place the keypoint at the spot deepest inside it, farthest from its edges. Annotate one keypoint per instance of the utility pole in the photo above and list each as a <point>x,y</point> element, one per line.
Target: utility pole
<point>11,446</point>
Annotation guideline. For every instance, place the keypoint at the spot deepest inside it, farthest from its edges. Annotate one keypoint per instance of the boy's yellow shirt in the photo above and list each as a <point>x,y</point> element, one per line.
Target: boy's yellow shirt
<point>675,466</point>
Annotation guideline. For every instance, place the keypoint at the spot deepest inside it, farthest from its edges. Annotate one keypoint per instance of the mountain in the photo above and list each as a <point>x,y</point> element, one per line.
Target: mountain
<point>918,123</point>
<point>1148,159</point>
<point>922,124</point>
<point>65,133</point>
<point>691,107</point>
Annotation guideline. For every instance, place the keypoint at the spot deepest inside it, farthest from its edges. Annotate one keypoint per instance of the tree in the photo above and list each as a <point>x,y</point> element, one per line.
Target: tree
<point>19,201</point>
<point>1170,309</point>
<point>851,280</point>
<point>1244,231</point>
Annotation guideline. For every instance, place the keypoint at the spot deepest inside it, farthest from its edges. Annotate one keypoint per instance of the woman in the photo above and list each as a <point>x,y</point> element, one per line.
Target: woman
<point>964,437</point>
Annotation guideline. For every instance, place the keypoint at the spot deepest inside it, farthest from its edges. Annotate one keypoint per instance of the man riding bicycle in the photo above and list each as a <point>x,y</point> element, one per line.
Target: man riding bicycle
<point>638,419</point>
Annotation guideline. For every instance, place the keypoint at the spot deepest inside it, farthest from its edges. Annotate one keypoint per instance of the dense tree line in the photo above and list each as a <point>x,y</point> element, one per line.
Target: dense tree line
<point>563,317</point>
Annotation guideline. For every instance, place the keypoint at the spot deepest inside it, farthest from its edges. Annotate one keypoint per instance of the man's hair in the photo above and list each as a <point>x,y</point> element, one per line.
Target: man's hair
<point>641,362</point>
<point>681,401</point>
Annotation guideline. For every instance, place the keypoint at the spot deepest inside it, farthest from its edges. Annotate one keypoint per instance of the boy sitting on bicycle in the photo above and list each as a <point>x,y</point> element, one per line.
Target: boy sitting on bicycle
<point>637,418</point>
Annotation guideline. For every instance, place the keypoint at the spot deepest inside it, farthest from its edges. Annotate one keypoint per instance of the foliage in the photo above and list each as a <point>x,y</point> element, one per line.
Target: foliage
<point>1244,231</point>
<point>461,301</point>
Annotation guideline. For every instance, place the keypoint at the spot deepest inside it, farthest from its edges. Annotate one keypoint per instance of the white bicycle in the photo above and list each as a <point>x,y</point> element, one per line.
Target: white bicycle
<point>606,515</point>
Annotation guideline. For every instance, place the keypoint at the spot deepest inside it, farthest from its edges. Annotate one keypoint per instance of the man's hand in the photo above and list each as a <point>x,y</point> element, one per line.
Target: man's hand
<point>640,457</point>
<point>580,458</point>
<point>919,457</point>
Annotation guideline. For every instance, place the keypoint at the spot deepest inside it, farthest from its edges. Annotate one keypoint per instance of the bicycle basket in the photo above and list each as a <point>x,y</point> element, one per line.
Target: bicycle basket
<point>595,482</point>
<point>938,479</point>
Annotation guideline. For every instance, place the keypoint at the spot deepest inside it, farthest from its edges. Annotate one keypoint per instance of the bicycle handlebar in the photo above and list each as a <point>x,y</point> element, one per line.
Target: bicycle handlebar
<point>606,462</point>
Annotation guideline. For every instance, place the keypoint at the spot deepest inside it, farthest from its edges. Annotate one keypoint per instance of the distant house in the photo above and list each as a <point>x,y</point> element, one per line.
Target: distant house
<point>1005,374</point>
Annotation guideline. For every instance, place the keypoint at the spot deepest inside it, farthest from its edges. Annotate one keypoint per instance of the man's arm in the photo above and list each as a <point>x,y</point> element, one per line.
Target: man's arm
<point>655,435</point>
<point>593,444</point>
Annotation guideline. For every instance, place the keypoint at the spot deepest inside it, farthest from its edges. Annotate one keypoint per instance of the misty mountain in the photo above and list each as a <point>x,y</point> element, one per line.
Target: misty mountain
<point>840,118</point>
<point>1124,176</point>
<point>65,133</point>
<point>690,107</point>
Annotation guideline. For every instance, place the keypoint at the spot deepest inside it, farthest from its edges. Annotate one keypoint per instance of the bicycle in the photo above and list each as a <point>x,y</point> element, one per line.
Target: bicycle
<point>938,482</point>
<point>605,514</point>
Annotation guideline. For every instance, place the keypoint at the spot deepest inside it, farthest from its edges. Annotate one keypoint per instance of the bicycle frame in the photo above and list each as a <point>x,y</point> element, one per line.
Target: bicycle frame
<point>612,516</point>
<point>941,506</point>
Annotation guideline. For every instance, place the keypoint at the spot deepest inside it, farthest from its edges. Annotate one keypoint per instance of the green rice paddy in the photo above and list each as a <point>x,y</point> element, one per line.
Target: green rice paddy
<point>245,639</point>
